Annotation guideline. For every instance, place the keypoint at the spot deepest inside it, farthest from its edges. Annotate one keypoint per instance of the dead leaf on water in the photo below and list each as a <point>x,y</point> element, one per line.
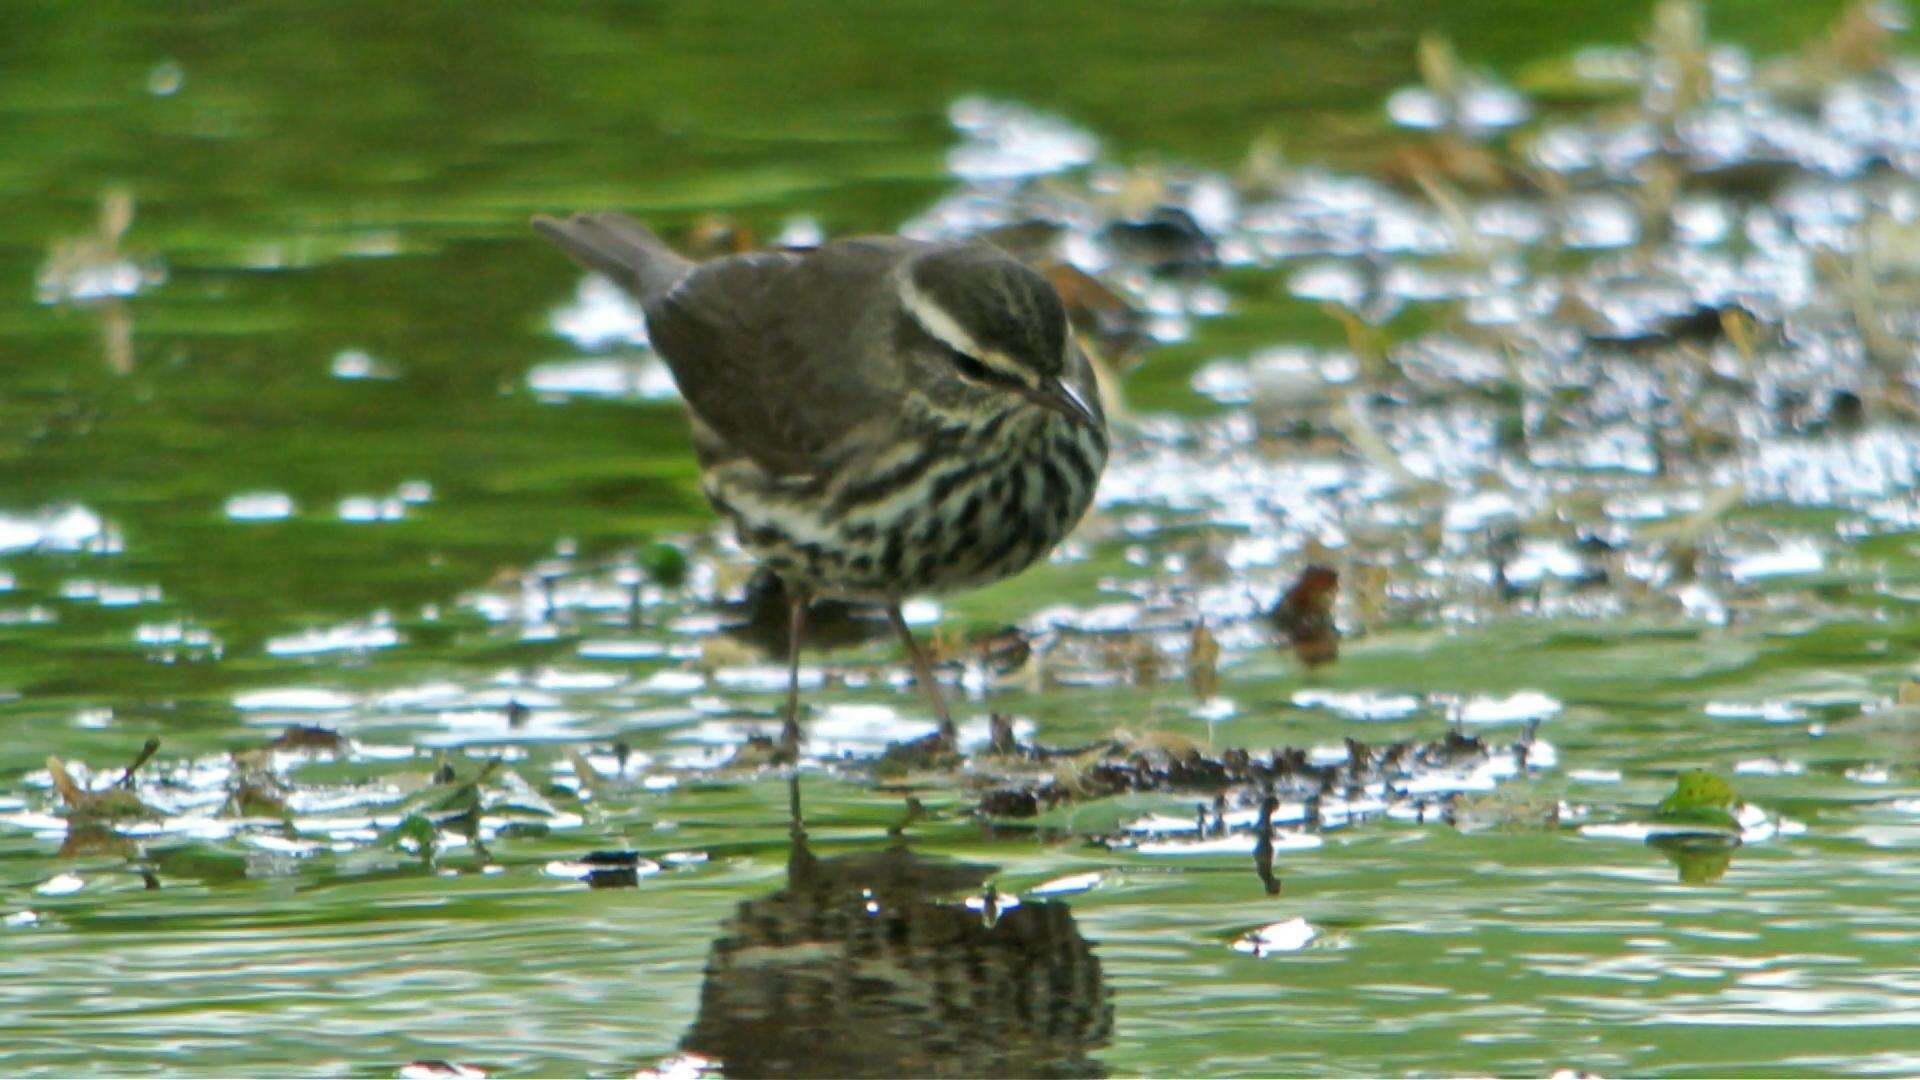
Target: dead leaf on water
<point>302,737</point>
<point>1203,663</point>
<point>1305,616</point>
<point>114,803</point>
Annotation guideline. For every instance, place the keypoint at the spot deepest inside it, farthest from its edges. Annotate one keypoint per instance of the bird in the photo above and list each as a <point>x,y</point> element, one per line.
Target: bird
<point>877,417</point>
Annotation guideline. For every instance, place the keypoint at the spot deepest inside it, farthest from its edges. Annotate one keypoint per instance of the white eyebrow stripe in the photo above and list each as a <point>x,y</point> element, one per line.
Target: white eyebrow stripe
<point>944,328</point>
<point>935,320</point>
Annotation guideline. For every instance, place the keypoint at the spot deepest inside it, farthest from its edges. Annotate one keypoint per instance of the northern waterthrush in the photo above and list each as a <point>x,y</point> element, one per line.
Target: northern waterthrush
<point>877,417</point>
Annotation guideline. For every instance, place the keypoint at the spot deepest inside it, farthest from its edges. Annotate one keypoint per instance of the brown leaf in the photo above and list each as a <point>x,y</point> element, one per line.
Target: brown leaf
<point>68,788</point>
<point>713,235</point>
<point>1115,329</point>
<point>304,737</point>
<point>116,802</point>
<point>1305,616</point>
<point>1203,663</point>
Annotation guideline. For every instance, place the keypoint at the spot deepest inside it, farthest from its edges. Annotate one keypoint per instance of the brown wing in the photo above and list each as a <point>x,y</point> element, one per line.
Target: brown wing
<point>786,357</point>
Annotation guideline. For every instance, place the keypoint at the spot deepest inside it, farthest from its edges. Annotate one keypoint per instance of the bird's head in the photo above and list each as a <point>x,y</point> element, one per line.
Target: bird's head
<point>1001,325</point>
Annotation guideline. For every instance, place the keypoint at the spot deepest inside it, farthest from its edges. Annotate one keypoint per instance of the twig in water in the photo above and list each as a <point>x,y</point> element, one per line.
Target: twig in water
<point>146,752</point>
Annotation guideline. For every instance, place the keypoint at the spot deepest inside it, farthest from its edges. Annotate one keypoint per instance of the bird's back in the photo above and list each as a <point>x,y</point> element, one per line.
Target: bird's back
<point>782,356</point>
<point>850,462</point>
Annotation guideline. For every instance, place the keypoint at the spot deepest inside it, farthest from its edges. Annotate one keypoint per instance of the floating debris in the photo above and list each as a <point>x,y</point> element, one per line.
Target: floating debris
<point>116,802</point>
<point>1528,705</point>
<point>260,506</point>
<point>304,738</point>
<point>1304,616</point>
<point>1291,935</point>
<point>59,528</point>
<point>349,637</point>
<point>682,1066</point>
<point>61,885</point>
<point>371,508</point>
<point>1453,100</point>
<point>1343,785</point>
<point>645,379</point>
<point>605,869</point>
<point>601,315</point>
<point>353,364</point>
<point>440,1070</point>
<point>1006,141</point>
<point>1072,883</point>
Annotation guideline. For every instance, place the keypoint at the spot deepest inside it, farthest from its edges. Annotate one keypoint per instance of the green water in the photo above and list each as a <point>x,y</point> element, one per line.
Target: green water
<point>324,179</point>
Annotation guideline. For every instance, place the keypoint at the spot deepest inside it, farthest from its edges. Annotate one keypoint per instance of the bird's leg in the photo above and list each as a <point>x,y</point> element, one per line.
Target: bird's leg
<point>796,623</point>
<point>922,668</point>
<point>801,864</point>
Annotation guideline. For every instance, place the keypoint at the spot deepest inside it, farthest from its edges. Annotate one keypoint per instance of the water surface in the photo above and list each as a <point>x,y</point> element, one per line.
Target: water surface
<point>347,447</point>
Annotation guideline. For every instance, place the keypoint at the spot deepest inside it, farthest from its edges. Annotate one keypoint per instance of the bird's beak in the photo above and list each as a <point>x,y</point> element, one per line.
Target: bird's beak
<point>1063,399</point>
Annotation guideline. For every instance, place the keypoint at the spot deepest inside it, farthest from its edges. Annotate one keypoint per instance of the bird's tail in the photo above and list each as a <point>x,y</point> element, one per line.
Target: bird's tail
<point>619,247</point>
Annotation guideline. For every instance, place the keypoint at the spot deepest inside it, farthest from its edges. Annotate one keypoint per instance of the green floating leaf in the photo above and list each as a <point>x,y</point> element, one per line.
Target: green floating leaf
<point>1698,789</point>
<point>1699,798</point>
<point>665,564</point>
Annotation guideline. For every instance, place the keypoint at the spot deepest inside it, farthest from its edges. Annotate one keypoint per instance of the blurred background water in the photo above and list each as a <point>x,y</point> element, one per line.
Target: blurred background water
<point>316,419</point>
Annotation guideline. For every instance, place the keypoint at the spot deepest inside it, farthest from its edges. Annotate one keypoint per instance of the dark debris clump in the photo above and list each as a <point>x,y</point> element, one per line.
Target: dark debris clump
<point>1415,779</point>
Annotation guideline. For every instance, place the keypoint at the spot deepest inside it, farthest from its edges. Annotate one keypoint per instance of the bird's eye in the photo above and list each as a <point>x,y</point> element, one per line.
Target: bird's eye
<point>975,369</point>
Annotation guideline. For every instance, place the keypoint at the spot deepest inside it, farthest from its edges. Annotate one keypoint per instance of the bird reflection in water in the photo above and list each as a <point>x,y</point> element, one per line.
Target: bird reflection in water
<point>867,964</point>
